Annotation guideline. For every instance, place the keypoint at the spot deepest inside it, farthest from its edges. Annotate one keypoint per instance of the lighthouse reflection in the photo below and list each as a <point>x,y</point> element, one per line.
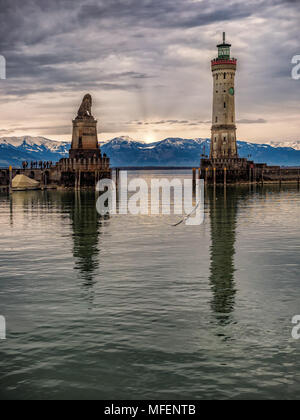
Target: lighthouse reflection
<point>223,216</point>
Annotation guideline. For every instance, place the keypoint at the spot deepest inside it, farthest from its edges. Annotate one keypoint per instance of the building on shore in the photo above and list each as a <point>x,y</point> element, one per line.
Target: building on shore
<point>224,164</point>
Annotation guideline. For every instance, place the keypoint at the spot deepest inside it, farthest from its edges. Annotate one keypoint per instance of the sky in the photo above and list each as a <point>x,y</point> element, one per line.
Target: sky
<point>146,64</point>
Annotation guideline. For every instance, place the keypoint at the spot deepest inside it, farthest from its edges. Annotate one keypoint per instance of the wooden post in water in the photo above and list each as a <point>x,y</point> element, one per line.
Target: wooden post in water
<point>76,180</point>
<point>194,179</point>
<point>225,176</point>
<point>42,180</point>
<point>280,177</point>
<point>215,176</point>
<point>79,180</point>
<point>117,178</point>
<point>206,175</point>
<point>10,179</point>
<point>95,174</point>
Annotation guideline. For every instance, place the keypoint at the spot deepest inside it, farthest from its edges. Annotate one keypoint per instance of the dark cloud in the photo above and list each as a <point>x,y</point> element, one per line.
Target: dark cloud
<point>6,132</point>
<point>163,14</point>
<point>53,130</point>
<point>52,42</point>
<point>258,121</point>
<point>176,122</point>
<point>148,58</point>
<point>165,122</point>
<point>287,2</point>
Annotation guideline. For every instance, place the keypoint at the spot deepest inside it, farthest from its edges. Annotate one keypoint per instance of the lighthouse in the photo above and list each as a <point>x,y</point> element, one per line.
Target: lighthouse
<point>223,139</point>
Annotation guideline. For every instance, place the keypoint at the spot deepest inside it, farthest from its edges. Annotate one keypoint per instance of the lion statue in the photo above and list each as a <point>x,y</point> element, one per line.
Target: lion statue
<point>85,109</point>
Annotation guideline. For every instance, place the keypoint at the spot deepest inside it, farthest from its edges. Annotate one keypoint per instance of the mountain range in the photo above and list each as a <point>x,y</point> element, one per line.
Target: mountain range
<point>124,151</point>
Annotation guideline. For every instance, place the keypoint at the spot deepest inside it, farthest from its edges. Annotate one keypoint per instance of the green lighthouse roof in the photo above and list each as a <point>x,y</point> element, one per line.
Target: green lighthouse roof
<point>224,45</point>
<point>224,48</point>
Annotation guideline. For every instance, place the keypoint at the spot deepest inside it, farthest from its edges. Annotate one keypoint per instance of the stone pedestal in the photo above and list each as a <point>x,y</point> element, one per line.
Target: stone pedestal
<point>85,139</point>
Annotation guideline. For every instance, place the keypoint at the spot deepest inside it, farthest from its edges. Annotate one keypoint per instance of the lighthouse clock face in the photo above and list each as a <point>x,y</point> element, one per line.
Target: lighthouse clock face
<point>231,91</point>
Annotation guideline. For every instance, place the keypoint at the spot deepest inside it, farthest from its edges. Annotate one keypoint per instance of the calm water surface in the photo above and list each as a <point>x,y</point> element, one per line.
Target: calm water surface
<point>132,308</point>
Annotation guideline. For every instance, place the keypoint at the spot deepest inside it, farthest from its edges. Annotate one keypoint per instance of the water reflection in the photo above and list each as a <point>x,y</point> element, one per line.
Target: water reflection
<point>80,208</point>
<point>86,225</point>
<point>223,216</point>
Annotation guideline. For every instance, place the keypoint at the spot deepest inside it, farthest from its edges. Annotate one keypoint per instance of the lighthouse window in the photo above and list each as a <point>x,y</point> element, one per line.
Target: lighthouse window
<point>224,104</point>
<point>224,75</point>
<point>217,76</point>
<point>216,119</point>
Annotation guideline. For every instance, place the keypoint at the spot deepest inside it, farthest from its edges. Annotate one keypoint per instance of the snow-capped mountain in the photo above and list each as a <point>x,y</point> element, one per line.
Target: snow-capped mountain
<point>168,152</point>
<point>125,151</point>
<point>293,145</point>
<point>35,143</point>
<point>14,150</point>
<point>187,152</point>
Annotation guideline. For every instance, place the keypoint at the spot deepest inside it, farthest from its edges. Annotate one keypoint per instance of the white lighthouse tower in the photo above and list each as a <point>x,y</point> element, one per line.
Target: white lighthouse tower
<point>223,140</point>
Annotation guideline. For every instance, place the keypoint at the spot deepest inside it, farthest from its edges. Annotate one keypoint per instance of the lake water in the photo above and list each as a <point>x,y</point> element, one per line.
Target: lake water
<point>130,307</point>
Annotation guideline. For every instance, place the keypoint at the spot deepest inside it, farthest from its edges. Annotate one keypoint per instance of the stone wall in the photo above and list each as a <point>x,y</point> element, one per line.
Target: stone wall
<point>241,170</point>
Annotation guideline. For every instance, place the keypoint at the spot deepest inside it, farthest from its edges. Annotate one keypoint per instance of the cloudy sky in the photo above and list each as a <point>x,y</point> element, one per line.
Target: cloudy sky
<point>147,65</point>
